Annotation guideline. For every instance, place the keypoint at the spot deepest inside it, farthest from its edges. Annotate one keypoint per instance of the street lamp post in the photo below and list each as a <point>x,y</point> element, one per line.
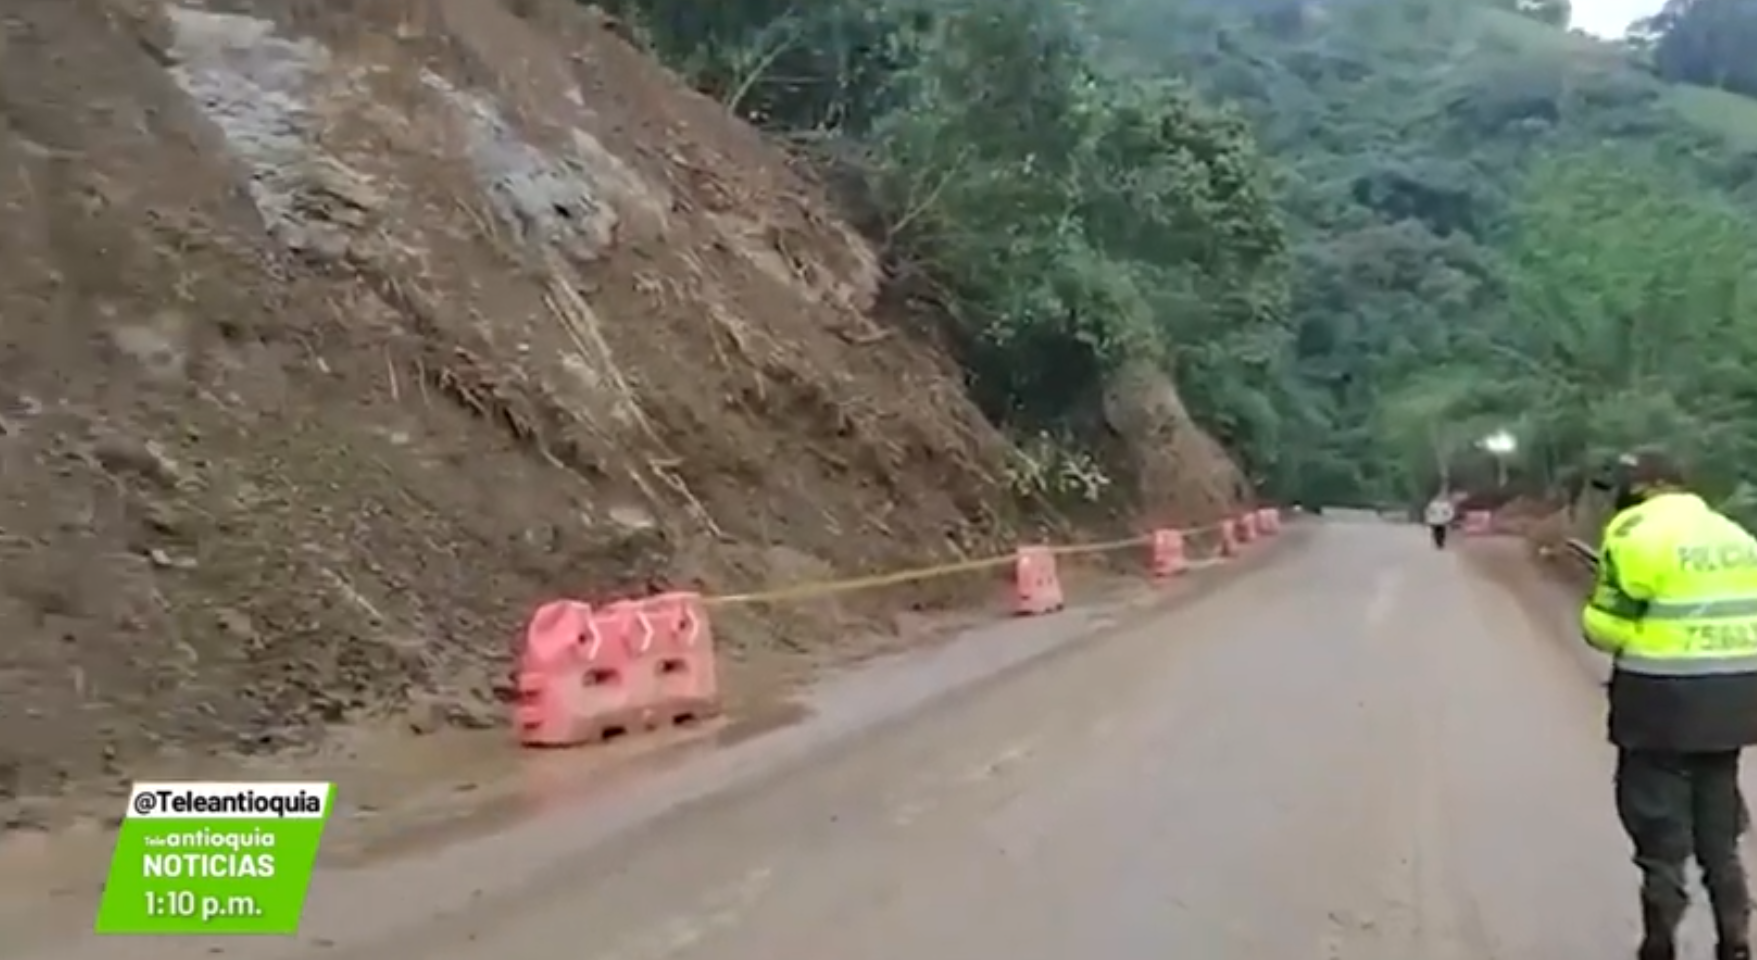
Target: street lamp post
<point>1499,445</point>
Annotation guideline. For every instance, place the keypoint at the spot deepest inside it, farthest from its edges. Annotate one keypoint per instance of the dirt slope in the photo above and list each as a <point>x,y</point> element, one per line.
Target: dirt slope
<point>334,334</point>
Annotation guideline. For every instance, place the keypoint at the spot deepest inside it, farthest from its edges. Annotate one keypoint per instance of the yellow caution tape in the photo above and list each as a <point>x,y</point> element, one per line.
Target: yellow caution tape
<point>1076,549</point>
<point>806,591</point>
<point>822,588</point>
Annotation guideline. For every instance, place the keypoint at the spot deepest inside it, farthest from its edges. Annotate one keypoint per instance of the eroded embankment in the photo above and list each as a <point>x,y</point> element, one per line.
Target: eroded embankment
<point>338,334</point>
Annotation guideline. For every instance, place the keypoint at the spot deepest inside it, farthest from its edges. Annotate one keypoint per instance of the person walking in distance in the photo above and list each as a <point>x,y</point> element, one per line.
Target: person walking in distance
<point>1438,516</point>
<point>1675,606</point>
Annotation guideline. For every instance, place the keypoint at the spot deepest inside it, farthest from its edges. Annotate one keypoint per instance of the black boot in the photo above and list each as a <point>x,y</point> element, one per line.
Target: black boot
<point>1658,935</point>
<point>1656,948</point>
<point>1732,918</point>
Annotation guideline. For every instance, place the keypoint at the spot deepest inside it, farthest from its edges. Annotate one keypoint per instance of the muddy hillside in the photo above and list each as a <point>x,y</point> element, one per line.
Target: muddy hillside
<point>335,334</point>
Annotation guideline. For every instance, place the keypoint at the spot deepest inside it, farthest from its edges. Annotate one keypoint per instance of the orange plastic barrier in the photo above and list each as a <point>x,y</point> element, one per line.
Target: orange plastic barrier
<point>1478,522</point>
<point>574,683</point>
<point>1269,521</point>
<point>1037,588</point>
<point>585,673</point>
<point>1166,554</point>
<point>686,678</point>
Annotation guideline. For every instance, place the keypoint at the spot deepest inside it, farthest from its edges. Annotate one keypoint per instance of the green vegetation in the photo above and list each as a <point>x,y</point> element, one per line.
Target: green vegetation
<point>1359,234</point>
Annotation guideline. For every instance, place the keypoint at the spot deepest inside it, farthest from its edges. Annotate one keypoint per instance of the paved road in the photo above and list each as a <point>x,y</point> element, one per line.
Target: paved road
<point>1363,752</point>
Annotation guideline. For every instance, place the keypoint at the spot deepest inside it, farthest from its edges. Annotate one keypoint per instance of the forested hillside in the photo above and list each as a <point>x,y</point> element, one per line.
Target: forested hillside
<point>1494,223</point>
<point>1361,233</point>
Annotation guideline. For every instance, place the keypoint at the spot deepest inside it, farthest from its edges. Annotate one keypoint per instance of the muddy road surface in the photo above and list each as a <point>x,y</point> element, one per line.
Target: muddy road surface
<point>1365,751</point>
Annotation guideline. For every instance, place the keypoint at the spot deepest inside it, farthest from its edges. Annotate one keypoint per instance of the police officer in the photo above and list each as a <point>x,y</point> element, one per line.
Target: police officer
<point>1675,605</point>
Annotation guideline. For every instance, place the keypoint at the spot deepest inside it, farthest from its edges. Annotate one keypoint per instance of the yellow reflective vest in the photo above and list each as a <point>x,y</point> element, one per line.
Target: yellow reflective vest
<point>1675,605</point>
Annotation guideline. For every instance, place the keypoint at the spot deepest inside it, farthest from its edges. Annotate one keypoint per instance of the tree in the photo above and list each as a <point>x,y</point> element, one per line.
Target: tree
<point>1631,319</point>
<point>1707,42</point>
<point>1358,232</point>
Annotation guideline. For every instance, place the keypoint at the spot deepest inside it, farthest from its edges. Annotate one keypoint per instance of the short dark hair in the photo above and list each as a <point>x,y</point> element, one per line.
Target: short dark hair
<point>1646,467</point>
<point>1649,467</point>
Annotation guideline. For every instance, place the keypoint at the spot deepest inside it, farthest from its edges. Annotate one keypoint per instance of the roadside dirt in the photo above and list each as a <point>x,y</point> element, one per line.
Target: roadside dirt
<point>404,798</point>
<point>339,334</point>
<point>1360,752</point>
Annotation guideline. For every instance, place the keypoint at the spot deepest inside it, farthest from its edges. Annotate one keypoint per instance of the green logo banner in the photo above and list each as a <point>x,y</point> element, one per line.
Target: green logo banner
<point>220,858</point>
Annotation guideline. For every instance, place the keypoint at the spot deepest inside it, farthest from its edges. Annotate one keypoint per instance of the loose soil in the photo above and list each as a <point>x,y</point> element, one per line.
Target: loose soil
<point>337,335</point>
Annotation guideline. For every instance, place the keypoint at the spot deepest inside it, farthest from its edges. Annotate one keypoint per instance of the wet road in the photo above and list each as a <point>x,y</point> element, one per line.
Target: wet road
<point>1363,751</point>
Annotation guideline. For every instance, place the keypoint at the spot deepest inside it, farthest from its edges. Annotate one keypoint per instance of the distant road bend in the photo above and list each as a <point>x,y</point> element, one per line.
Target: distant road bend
<point>1362,752</point>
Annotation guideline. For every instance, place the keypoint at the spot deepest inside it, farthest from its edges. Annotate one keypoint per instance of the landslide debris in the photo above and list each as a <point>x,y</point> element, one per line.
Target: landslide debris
<point>334,335</point>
